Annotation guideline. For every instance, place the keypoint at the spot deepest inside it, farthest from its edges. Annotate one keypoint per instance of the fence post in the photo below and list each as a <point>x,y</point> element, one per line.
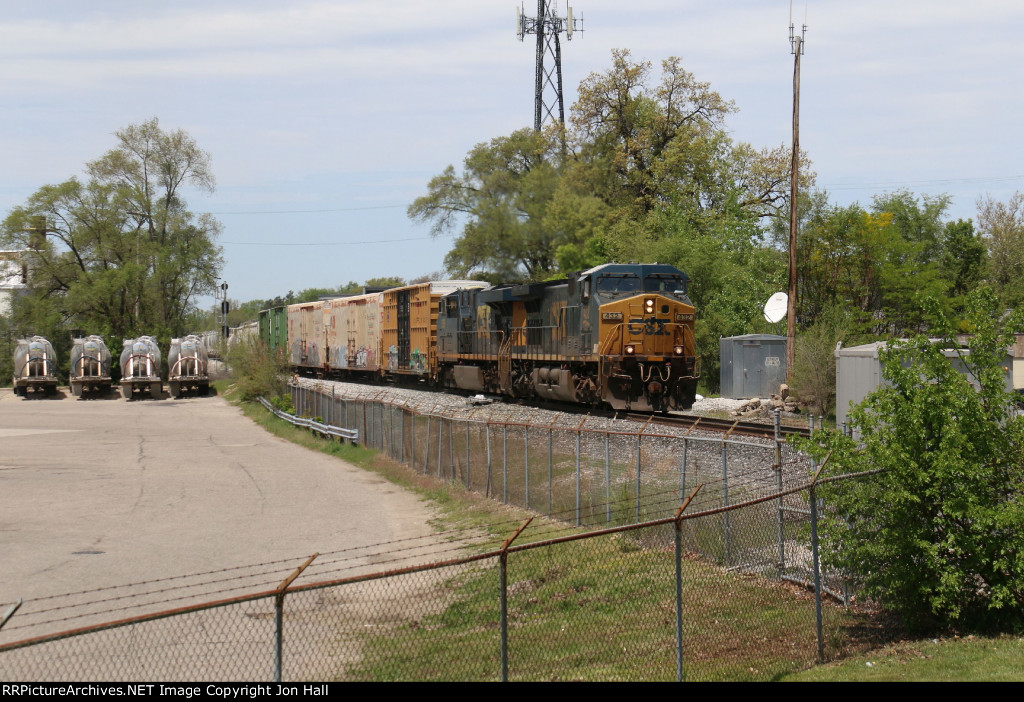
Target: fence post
<point>682,469</point>
<point>725,503</point>
<point>778,484</point>
<point>440,444</point>
<point>279,616</point>
<point>503,597</point>
<point>679,584</point>
<point>487,438</point>
<point>504,464</point>
<point>426,452</point>
<point>550,466</point>
<point>638,437</point>
<point>817,573</point>
<point>467,455</point>
<point>607,481</point>
<point>451,448</point>
<point>526,462</point>
<point>578,435</point>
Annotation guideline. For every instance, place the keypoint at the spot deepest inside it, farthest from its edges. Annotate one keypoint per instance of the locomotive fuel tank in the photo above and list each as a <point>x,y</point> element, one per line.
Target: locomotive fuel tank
<point>140,368</point>
<point>188,367</point>
<point>35,368</point>
<point>90,367</point>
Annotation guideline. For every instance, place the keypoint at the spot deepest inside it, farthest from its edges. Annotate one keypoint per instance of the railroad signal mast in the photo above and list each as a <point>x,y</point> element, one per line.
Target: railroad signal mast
<point>548,27</point>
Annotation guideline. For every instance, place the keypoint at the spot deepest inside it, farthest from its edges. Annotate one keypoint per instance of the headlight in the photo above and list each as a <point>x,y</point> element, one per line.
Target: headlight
<point>649,306</point>
<point>630,349</point>
<point>679,350</point>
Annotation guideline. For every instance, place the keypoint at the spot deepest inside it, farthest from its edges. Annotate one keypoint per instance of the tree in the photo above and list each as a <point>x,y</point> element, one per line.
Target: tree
<point>120,253</point>
<point>1002,227</point>
<point>500,201</point>
<point>936,535</point>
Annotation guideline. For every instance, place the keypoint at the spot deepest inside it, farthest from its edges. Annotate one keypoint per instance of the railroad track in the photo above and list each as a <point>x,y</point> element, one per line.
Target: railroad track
<point>729,427</point>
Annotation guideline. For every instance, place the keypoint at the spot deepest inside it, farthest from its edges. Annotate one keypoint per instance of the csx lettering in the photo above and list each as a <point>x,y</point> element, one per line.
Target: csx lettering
<point>647,327</point>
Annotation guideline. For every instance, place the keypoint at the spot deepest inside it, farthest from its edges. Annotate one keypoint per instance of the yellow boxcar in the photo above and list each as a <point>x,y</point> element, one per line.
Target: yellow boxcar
<point>409,325</point>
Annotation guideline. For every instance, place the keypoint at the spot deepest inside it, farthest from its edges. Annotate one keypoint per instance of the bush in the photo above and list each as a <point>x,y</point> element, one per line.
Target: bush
<point>814,369</point>
<point>938,535</point>
<point>256,369</point>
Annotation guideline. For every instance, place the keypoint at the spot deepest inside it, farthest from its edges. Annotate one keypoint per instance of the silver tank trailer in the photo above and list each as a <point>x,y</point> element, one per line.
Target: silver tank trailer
<point>35,367</point>
<point>188,364</point>
<point>140,367</point>
<point>90,366</point>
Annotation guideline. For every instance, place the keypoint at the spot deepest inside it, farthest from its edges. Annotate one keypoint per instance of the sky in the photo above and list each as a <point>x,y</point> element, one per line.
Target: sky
<point>325,119</point>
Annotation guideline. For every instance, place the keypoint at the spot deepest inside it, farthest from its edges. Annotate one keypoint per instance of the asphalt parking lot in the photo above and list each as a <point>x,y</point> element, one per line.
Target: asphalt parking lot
<point>106,492</point>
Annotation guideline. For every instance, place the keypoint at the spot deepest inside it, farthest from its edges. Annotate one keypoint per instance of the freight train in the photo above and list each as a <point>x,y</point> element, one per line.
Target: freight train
<point>620,335</point>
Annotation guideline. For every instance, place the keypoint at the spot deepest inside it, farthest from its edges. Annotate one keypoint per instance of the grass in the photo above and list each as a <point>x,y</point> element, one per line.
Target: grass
<point>968,658</point>
<point>604,609</point>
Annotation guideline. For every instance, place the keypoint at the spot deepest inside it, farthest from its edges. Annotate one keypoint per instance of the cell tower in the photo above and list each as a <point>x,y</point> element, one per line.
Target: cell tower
<point>548,26</point>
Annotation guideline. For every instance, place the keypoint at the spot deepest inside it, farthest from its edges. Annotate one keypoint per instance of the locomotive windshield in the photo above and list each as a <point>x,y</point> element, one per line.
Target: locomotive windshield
<point>612,285</point>
<point>672,284</point>
<point>630,284</point>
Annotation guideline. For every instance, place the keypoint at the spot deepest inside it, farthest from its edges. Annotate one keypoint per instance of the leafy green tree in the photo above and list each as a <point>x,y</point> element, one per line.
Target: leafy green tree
<point>850,257</point>
<point>499,201</point>
<point>937,535</point>
<point>963,261</point>
<point>120,253</point>
<point>1002,227</point>
<point>917,222</point>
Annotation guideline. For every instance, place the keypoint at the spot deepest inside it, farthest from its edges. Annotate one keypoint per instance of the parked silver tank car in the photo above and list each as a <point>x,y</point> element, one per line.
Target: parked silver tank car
<point>140,368</point>
<point>90,367</point>
<point>35,367</point>
<point>188,366</point>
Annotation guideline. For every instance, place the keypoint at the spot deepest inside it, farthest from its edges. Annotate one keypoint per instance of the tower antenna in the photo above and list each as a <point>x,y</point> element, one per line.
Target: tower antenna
<point>548,27</point>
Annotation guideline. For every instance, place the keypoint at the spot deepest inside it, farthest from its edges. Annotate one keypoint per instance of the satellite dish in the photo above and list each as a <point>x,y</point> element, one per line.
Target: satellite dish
<point>568,22</point>
<point>775,308</point>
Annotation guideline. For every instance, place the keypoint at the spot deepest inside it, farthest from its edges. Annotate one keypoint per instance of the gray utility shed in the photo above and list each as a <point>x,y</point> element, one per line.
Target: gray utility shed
<point>753,365</point>
<point>859,372</point>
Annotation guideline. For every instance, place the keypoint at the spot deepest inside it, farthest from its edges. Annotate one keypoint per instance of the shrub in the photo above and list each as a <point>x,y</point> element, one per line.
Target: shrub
<point>938,534</point>
<point>256,369</point>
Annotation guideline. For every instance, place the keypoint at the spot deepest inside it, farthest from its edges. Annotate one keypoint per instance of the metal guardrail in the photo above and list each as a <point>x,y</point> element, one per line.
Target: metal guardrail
<point>351,435</point>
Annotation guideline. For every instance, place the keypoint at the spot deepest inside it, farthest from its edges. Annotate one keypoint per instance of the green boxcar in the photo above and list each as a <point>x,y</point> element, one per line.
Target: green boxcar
<point>274,328</point>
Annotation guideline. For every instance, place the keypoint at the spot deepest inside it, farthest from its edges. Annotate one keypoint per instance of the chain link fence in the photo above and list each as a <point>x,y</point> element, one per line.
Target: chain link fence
<point>665,558</point>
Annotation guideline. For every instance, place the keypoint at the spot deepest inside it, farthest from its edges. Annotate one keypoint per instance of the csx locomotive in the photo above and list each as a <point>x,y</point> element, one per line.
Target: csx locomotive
<point>617,334</point>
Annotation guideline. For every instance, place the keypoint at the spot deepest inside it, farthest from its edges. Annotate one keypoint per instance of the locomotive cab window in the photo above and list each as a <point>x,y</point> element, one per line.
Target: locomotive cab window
<point>671,284</point>
<point>617,284</point>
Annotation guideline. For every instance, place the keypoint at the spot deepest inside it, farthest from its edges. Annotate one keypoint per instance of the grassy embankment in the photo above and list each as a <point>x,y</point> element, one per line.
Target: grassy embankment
<point>603,609</point>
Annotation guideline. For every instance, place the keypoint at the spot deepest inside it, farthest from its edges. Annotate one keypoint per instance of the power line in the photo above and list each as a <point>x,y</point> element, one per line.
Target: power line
<point>322,243</point>
<point>918,183</point>
<point>338,209</point>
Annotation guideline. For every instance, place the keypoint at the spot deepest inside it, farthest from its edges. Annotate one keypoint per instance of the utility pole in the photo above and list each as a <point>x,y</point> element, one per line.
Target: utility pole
<point>796,45</point>
<point>548,26</point>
